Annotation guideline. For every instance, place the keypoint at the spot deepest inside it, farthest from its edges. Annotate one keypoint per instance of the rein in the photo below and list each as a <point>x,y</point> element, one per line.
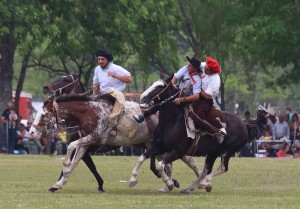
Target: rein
<point>162,91</point>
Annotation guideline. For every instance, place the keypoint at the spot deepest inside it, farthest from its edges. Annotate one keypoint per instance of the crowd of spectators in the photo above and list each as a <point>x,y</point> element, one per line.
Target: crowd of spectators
<point>280,139</point>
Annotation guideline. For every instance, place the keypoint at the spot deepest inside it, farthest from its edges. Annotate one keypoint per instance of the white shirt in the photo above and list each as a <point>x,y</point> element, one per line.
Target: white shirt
<point>105,82</point>
<point>211,84</point>
<point>26,135</point>
<point>186,79</point>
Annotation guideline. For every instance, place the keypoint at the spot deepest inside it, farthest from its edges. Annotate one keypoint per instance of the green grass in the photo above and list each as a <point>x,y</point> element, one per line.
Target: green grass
<point>250,183</point>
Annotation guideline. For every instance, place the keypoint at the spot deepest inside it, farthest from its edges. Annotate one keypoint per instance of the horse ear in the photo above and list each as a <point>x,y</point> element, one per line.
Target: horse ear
<point>169,79</point>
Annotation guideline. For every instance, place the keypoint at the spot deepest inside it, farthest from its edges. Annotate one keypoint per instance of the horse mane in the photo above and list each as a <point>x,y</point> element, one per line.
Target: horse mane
<point>73,98</point>
<point>84,98</point>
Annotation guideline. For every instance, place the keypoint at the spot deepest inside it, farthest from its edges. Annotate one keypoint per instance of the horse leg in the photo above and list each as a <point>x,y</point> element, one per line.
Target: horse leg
<point>191,163</point>
<point>74,145</point>
<point>196,183</point>
<point>91,165</point>
<point>150,152</point>
<point>68,170</point>
<point>209,162</point>
<point>170,157</point>
<point>222,168</point>
<point>133,179</point>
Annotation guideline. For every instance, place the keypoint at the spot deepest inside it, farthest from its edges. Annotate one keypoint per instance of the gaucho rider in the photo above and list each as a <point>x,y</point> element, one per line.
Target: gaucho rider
<point>111,78</point>
<point>210,81</point>
<point>190,83</point>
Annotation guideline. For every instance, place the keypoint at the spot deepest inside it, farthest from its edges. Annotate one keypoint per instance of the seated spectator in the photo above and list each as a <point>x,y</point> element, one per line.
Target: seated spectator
<point>281,129</point>
<point>294,128</point>
<point>270,152</point>
<point>266,136</point>
<point>30,146</point>
<point>61,143</point>
<point>245,151</point>
<point>284,150</point>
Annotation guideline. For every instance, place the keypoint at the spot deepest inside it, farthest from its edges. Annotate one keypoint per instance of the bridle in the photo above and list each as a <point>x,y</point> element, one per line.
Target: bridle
<point>162,91</point>
<point>42,129</point>
<point>65,86</point>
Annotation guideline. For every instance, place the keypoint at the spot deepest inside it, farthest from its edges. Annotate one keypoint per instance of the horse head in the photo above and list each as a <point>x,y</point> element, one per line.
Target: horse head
<point>158,91</point>
<point>43,122</point>
<point>64,85</point>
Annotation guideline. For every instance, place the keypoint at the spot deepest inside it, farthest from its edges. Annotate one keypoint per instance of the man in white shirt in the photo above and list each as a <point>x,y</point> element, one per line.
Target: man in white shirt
<point>111,78</point>
<point>109,75</point>
<point>211,83</point>
<point>281,129</point>
<point>190,81</point>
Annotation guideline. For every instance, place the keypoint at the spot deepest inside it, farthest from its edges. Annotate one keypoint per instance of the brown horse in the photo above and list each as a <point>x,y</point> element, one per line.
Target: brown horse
<point>175,142</point>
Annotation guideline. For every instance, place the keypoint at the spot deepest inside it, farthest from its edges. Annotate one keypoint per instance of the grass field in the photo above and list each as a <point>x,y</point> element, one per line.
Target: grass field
<point>250,183</point>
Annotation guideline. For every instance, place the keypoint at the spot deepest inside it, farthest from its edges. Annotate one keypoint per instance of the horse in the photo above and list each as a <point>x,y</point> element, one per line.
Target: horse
<point>67,85</point>
<point>175,141</point>
<point>92,116</point>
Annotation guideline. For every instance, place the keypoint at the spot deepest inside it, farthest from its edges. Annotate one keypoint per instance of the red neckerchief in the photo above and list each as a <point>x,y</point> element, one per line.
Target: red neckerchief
<point>192,75</point>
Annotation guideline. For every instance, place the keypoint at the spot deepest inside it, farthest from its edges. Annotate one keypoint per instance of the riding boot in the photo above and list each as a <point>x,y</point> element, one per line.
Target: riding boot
<point>152,110</point>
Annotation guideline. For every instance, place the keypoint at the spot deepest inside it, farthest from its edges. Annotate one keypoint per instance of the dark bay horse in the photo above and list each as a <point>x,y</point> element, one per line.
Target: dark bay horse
<point>174,141</point>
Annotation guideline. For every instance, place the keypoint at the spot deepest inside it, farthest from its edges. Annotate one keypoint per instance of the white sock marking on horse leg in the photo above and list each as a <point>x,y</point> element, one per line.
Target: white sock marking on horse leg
<point>135,172</point>
<point>164,176</point>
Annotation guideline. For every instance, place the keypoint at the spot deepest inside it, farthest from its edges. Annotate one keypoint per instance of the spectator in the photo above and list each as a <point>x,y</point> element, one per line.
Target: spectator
<point>9,128</point>
<point>270,152</point>
<point>29,124</point>
<point>266,136</point>
<point>288,114</point>
<point>61,143</point>
<point>22,137</point>
<point>294,128</point>
<point>30,146</point>
<point>284,150</point>
<point>247,118</point>
<point>281,129</point>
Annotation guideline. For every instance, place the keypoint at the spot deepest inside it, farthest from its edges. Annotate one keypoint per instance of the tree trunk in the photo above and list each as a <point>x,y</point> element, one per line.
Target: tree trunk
<point>21,79</point>
<point>7,50</point>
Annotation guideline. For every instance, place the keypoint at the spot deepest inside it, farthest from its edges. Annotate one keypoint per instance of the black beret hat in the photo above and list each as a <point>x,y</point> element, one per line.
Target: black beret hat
<point>104,53</point>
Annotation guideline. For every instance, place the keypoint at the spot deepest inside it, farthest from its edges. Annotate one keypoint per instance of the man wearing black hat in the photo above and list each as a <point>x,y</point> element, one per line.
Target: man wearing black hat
<point>109,75</point>
<point>190,81</point>
<point>111,78</point>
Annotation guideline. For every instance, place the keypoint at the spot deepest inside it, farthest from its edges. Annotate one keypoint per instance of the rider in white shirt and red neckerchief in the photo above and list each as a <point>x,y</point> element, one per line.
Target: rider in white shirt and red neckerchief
<point>190,81</point>
<point>211,83</point>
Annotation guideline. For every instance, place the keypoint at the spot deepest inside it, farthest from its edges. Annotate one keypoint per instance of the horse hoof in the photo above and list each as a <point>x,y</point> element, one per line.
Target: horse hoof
<point>184,191</point>
<point>163,190</point>
<point>171,187</point>
<point>66,164</point>
<point>176,183</point>
<point>100,189</point>
<point>208,187</point>
<point>52,190</point>
<point>132,183</point>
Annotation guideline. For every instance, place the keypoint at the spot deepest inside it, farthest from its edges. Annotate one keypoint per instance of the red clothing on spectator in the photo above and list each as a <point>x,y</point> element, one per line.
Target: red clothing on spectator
<point>281,153</point>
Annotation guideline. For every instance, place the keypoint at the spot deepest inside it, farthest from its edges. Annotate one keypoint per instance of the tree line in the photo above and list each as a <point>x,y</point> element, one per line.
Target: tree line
<point>254,41</point>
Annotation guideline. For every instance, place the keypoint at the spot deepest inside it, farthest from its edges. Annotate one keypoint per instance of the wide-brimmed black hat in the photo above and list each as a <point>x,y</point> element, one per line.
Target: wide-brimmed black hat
<point>194,62</point>
<point>104,53</point>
